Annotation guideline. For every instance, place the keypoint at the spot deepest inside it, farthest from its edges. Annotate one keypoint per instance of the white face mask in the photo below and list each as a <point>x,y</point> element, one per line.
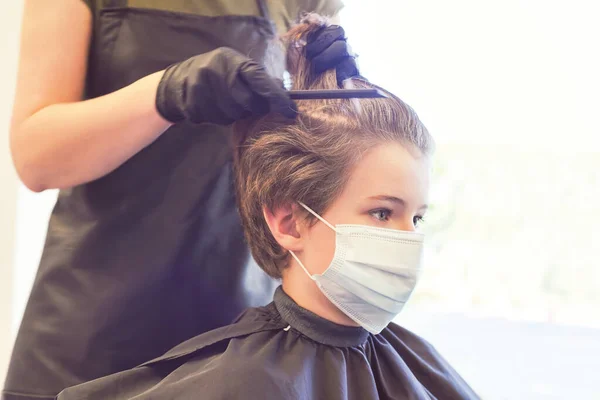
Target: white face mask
<point>372,274</point>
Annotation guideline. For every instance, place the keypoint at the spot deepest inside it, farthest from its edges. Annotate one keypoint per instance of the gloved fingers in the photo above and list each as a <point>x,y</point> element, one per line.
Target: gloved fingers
<point>330,57</point>
<point>220,109</point>
<point>346,69</point>
<point>213,91</point>
<point>247,100</point>
<point>267,88</point>
<point>226,112</point>
<point>220,87</point>
<point>234,98</point>
<point>279,83</point>
<point>320,40</point>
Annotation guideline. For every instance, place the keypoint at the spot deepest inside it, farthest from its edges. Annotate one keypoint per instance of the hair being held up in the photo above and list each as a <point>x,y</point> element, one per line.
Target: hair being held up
<point>280,161</point>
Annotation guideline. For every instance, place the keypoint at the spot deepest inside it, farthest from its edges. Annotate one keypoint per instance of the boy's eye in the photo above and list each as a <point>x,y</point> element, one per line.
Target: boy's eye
<point>418,219</point>
<point>382,214</point>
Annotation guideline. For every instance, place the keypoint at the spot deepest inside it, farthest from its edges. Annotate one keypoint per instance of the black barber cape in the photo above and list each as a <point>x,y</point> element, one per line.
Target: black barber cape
<point>283,351</point>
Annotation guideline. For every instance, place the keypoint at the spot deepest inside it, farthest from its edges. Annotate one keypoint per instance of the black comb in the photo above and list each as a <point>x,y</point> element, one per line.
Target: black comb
<point>337,94</point>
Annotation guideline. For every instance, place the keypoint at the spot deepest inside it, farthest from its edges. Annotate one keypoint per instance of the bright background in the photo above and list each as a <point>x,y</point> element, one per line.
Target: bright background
<point>510,91</point>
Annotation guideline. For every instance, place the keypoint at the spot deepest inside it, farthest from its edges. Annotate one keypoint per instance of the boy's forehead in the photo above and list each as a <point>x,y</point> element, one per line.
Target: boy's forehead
<point>389,170</point>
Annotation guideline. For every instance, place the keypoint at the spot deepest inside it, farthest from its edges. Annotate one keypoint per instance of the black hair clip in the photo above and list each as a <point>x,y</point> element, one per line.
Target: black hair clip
<point>337,94</point>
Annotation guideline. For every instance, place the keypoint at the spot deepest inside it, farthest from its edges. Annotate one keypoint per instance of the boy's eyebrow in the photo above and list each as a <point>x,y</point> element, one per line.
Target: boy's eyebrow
<point>396,200</point>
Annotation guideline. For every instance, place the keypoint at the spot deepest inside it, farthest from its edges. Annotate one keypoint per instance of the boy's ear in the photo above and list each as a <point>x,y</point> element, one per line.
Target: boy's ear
<point>284,225</point>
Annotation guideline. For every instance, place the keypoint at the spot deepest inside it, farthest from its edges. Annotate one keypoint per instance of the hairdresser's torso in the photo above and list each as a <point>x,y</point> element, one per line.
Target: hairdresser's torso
<point>153,253</point>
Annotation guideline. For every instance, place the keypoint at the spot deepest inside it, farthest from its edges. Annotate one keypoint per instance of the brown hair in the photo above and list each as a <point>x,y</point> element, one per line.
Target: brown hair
<point>310,159</point>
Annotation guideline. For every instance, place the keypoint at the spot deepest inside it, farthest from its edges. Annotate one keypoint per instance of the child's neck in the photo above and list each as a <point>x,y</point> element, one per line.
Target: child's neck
<point>306,294</point>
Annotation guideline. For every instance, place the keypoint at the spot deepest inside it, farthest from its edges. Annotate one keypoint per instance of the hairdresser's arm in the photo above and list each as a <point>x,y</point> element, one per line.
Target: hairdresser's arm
<point>57,140</point>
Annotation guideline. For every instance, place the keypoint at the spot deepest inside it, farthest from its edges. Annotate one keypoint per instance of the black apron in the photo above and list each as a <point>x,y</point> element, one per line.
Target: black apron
<point>153,253</point>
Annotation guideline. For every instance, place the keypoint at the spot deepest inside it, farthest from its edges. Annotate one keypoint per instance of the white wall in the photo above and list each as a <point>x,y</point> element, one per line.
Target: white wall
<point>32,214</point>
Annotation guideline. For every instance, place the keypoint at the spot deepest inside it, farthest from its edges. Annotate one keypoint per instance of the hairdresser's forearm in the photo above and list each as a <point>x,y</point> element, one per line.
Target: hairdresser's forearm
<point>64,145</point>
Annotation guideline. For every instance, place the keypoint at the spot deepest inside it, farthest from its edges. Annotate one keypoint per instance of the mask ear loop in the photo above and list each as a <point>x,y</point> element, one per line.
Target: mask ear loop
<point>317,215</point>
<point>322,220</point>
<point>302,265</point>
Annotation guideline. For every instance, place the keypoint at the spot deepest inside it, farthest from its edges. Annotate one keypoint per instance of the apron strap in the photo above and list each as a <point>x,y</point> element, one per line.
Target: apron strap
<point>115,3</point>
<point>264,9</point>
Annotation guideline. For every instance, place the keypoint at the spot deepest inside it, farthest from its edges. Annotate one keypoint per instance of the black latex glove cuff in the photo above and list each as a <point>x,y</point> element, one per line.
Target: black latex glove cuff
<point>326,49</point>
<point>168,101</point>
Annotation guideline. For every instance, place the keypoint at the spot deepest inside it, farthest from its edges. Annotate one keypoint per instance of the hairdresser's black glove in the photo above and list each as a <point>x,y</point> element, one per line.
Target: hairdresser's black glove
<point>326,49</point>
<point>220,87</point>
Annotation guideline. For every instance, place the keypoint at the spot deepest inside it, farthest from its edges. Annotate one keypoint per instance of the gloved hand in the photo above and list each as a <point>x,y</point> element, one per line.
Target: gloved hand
<point>326,48</point>
<point>221,87</point>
